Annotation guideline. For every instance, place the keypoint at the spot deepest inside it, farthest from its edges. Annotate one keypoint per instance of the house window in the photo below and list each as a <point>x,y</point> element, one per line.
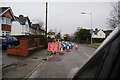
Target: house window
<point>6,21</point>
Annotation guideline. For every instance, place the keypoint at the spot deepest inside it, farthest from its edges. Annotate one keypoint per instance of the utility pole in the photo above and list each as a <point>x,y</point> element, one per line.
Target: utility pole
<point>46,18</point>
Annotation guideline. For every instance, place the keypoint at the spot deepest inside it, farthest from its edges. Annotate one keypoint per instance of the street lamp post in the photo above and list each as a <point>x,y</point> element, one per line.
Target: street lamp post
<point>91,31</point>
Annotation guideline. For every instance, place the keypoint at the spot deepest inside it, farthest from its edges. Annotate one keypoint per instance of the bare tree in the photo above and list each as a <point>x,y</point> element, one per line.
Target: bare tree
<point>113,19</point>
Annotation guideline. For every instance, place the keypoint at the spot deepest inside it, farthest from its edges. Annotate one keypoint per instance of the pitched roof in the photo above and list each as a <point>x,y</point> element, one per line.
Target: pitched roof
<point>3,10</point>
<point>96,31</point>
<point>22,20</point>
<point>35,26</point>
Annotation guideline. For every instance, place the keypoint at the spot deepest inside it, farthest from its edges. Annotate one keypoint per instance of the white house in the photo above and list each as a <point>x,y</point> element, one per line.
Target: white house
<point>98,34</point>
<point>22,26</point>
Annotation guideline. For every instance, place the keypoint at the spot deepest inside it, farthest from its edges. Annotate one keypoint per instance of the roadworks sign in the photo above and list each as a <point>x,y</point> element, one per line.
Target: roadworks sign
<point>54,46</point>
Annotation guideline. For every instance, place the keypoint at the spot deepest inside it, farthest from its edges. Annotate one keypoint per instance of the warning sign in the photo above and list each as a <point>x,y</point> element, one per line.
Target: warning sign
<point>54,46</point>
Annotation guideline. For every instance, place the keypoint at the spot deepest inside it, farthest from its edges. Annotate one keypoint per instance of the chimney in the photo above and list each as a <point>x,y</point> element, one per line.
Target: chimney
<point>21,15</point>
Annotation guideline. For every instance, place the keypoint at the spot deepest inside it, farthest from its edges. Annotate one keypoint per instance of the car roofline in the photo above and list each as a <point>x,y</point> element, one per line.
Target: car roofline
<point>114,33</point>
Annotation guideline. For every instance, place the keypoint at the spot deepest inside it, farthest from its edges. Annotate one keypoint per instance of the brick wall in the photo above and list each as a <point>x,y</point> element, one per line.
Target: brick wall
<point>6,27</point>
<point>23,50</point>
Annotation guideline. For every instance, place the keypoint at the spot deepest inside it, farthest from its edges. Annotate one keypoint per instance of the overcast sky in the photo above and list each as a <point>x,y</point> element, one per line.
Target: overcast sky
<point>65,16</point>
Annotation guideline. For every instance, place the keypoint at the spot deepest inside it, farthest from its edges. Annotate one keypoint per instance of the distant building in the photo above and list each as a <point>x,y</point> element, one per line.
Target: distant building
<point>38,29</point>
<point>107,32</point>
<point>51,34</point>
<point>6,18</point>
<point>98,34</point>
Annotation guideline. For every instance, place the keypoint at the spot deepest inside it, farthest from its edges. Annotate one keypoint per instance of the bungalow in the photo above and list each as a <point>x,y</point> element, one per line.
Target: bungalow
<point>6,18</point>
<point>98,35</point>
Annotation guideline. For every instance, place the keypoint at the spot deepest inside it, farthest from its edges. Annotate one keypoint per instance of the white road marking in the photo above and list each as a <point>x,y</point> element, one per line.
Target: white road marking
<point>85,54</point>
<point>30,73</point>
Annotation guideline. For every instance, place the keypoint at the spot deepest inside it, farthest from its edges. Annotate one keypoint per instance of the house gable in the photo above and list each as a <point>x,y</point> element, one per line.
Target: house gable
<point>7,12</point>
<point>100,34</point>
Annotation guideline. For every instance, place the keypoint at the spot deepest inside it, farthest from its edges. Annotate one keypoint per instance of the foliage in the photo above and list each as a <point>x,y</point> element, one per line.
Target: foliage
<point>81,35</point>
<point>96,44</point>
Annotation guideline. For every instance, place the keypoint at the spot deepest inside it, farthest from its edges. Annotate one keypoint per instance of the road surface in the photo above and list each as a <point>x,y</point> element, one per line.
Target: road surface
<point>64,68</point>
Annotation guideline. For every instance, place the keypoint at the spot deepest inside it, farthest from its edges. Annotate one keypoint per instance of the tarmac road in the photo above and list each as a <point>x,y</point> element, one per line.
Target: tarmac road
<point>70,61</point>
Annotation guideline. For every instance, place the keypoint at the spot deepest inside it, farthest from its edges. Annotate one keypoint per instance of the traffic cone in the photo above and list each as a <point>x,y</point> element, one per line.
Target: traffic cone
<point>72,45</point>
<point>68,49</point>
<point>61,51</point>
<point>76,47</point>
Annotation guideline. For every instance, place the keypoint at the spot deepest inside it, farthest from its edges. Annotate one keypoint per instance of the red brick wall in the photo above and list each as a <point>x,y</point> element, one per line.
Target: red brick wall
<point>6,27</point>
<point>23,50</point>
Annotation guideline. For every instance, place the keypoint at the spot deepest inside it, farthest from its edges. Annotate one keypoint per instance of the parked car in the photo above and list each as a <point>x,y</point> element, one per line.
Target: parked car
<point>9,41</point>
<point>105,64</point>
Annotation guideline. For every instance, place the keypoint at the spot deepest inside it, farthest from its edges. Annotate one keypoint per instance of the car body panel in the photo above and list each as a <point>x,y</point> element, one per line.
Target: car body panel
<point>8,40</point>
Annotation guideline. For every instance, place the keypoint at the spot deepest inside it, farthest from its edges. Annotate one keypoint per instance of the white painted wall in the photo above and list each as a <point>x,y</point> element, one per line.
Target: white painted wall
<point>16,28</point>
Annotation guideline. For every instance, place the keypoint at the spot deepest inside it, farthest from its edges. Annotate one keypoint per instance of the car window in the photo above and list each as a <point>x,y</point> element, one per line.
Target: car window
<point>92,68</point>
<point>14,38</point>
<point>111,59</point>
<point>9,38</point>
<point>3,38</point>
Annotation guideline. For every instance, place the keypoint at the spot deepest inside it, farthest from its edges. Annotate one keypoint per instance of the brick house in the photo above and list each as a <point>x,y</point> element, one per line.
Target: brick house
<point>37,29</point>
<point>6,18</point>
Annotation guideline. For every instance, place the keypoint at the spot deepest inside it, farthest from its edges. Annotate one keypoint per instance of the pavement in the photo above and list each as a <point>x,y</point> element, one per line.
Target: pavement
<point>34,66</point>
<point>18,67</point>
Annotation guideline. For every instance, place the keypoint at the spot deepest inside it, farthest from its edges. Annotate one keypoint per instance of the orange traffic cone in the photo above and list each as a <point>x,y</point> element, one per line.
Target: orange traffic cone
<point>68,49</point>
<point>76,47</point>
<point>61,51</point>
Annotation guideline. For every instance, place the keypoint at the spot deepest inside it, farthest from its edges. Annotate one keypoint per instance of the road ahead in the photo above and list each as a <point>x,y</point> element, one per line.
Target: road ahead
<point>69,62</point>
